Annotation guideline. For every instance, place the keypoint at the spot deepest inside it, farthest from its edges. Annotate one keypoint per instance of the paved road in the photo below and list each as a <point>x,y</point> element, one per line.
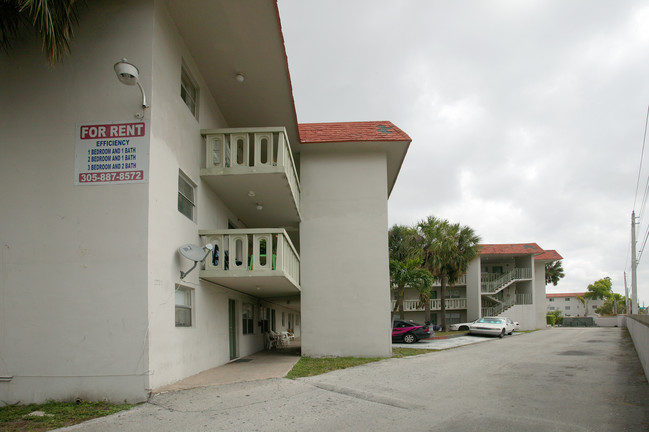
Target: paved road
<point>567,379</point>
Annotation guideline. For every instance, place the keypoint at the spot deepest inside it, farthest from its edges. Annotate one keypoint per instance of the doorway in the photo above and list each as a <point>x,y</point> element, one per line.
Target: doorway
<point>232,331</point>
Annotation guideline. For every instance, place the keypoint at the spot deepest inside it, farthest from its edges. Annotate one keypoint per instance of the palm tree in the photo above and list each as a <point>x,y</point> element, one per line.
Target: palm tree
<point>405,264</point>
<point>553,272</point>
<point>448,250</point>
<point>53,21</point>
<point>409,274</point>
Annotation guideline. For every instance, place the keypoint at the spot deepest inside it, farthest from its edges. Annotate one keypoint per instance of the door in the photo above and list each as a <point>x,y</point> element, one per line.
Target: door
<point>232,322</point>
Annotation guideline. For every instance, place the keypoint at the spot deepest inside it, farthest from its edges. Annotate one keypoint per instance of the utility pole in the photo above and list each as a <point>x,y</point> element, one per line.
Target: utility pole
<point>634,268</point>
<point>626,296</point>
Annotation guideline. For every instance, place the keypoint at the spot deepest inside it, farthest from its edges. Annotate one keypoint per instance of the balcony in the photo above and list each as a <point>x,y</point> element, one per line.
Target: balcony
<point>461,281</point>
<point>435,305</point>
<point>252,171</point>
<point>241,260</point>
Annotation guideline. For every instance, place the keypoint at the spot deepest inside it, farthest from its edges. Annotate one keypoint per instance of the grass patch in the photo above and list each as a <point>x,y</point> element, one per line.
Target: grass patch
<point>308,366</point>
<point>56,415</point>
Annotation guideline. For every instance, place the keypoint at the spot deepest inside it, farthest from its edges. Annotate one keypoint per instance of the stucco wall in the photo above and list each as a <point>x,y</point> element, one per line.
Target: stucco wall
<point>539,294</point>
<point>73,266</point>
<point>473,297</point>
<point>638,326</point>
<point>343,235</point>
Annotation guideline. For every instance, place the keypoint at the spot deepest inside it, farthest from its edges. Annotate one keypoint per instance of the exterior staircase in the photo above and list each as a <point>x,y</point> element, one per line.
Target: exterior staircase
<point>494,283</point>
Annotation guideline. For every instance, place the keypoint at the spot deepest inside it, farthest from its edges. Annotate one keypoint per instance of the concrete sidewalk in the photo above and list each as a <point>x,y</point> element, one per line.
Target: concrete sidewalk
<point>277,363</point>
<point>258,366</point>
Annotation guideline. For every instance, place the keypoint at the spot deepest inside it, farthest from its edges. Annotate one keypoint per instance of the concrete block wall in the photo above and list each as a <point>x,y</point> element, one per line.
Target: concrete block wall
<point>638,326</point>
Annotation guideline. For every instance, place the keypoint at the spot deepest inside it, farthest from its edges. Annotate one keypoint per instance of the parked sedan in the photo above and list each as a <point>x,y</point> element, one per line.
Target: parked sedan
<point>460,326</point>
<point>494,326</point>
<point>409,332</point>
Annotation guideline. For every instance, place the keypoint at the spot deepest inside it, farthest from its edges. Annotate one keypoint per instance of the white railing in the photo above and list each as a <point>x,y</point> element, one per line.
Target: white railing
<point>414,305</point>
<point>238,252</point>
<point>493,282</point>
<point>498,309</point>
<point>251,150</point>
<point>460,281</point>
<point>524,299</point>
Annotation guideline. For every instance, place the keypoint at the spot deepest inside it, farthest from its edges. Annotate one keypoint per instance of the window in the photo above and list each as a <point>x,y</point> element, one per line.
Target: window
<point>248,318</point>
<point>272,320</point>
<point>551,308</point>
<point>186,193</point>
<point>188,91</point>
<point>567,307</point>
<point>567,298</point>
<point>551,299</point>
<point>183,306</point>
<point>452,317</point>
<point>283,314</point>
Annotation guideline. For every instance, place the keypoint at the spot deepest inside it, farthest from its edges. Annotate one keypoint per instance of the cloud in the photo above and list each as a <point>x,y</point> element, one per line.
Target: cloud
<point>527,118</point>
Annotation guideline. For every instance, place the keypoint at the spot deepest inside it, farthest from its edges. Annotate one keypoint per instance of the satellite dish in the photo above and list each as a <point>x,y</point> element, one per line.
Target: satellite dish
<point>194,253</point>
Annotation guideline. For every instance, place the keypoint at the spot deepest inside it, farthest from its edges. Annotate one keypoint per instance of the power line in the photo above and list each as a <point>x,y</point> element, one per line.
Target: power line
<point>644,139</point>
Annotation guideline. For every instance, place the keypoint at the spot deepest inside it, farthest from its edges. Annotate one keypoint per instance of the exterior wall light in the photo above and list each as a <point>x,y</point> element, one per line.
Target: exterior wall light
<point>128,74</point>
<point>240,78</point>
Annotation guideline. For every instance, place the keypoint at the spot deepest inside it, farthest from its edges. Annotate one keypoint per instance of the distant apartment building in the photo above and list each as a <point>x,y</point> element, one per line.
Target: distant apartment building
<point>503,280</point>
<point>570,305</point>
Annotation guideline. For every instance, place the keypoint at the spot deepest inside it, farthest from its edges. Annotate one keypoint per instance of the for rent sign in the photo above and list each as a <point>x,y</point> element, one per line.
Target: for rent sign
<point>112,153</point>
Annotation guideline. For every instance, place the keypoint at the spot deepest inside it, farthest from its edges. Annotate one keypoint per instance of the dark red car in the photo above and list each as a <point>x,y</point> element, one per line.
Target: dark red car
<point>409,332</point>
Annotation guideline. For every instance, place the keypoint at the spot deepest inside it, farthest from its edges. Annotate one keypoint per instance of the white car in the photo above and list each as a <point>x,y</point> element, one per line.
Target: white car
<point>460,326</point>
<point>494,326</point>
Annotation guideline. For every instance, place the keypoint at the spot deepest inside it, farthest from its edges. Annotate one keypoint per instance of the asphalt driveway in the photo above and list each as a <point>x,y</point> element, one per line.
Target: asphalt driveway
<point>567,379</point>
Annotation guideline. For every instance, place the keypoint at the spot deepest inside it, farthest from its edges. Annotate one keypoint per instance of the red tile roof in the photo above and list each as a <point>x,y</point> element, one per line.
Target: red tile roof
<point>564,295</point>
<point>513,249</point>
<point>350,132</point>
<point>550,255</point>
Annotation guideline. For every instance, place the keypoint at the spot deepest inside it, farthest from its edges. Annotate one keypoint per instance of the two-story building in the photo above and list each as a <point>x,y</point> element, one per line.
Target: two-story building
<point>103,184</point>
<point>504,279</point>
<point>570,305</point>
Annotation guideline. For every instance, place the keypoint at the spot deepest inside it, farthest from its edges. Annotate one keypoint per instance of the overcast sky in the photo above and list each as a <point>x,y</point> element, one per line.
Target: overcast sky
<point>526,116</point>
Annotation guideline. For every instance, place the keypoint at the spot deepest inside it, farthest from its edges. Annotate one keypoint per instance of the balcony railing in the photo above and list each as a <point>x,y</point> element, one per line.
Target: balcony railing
<point>256,163</point>
<point>260,262</point>
<point>460,281</point>
<point>435,305</point>
<point>494,282</point>
<point>524,299</point>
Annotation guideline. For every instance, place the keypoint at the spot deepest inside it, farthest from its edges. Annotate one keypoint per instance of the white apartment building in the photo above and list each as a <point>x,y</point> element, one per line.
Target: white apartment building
<point>102,183</point>
<point>504,279</point>
<point>570,305</point>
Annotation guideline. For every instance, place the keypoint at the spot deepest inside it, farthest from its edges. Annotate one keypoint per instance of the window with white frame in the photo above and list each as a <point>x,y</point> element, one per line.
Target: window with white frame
<point>248,318</point>
<point>189,91</point>
<point>183,306</point>
<point>186,196</point>
<point>551,299</point>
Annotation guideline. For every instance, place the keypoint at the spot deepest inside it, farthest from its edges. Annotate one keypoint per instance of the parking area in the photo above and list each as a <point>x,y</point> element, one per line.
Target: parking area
<point>562,380</point>
<point>450,342</point>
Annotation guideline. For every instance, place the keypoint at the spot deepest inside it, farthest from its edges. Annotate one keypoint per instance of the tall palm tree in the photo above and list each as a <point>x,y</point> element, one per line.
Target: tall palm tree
<point>405,264</point>
<point>448,250</point>
<point>53,21</point>
<point>553,272</point>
